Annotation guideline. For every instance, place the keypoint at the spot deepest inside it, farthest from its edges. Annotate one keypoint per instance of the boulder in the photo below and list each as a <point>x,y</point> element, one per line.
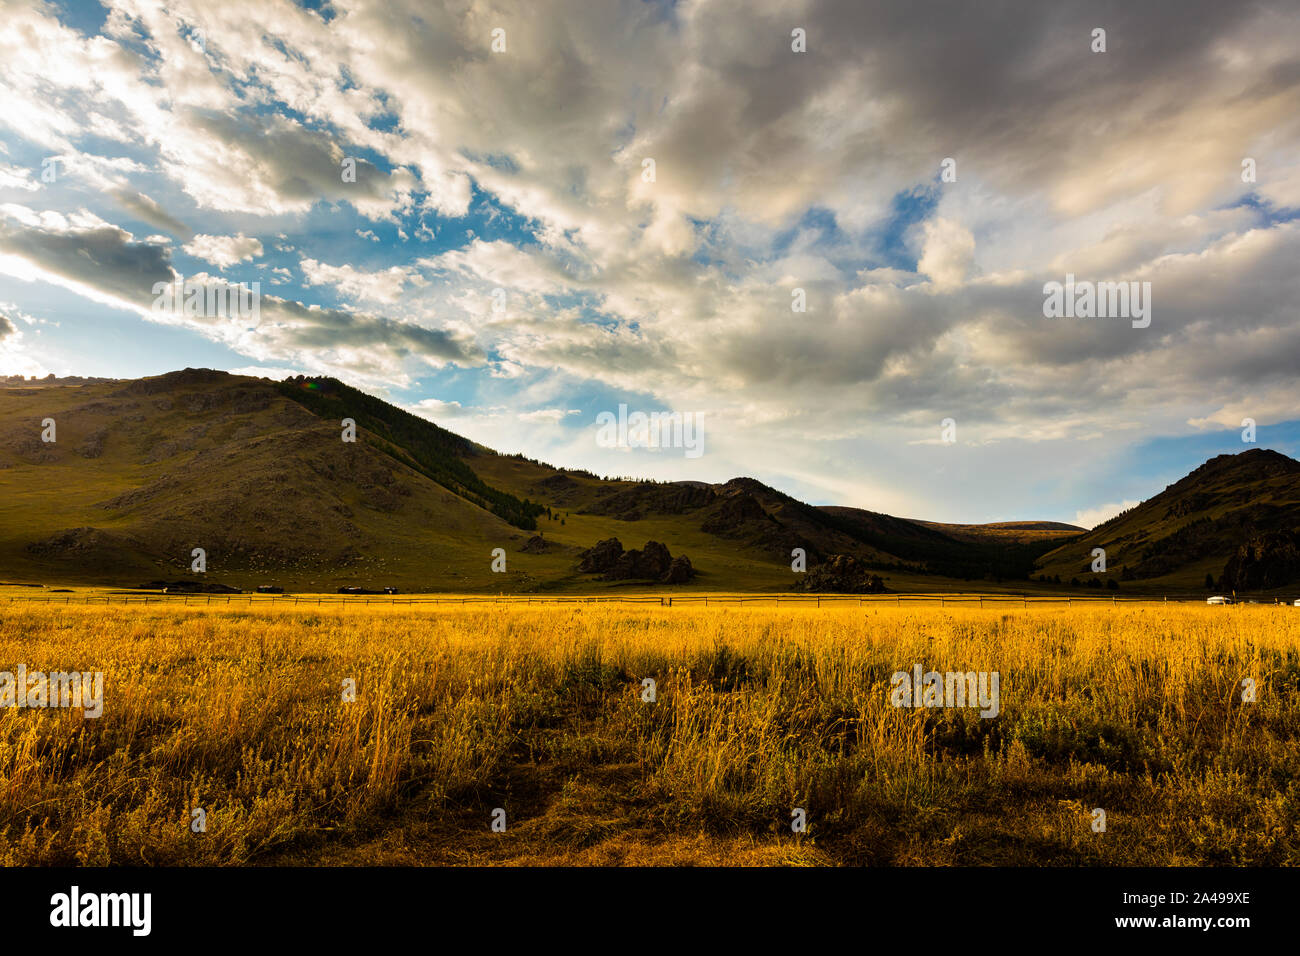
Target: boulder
<point>679,572</point>
<point>843,574</point>
<point>653,562</point>
<point>535,545</point>
<point>600,558</point>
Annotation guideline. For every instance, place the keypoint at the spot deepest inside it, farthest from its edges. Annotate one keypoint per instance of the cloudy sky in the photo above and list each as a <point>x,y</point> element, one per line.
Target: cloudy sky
<point>506,261</point>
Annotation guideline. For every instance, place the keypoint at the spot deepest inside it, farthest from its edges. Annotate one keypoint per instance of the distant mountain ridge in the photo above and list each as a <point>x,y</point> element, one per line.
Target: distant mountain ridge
<point>1012,532</point>
<point>256,474</point>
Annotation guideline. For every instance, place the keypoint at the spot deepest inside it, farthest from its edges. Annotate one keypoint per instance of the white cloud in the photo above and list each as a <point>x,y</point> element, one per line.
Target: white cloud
<point>15,359</point>
<point>948,251</point>
<point>265,371</point>
<point>773,171</point>
<point>224,251</point>
<point>434,408</point>
<point>358,285</point>
<point>14,177</point>
<point>552,416</point>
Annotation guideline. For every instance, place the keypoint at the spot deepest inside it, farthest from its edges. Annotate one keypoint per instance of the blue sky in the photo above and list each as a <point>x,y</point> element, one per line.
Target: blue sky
<point>503,263</point>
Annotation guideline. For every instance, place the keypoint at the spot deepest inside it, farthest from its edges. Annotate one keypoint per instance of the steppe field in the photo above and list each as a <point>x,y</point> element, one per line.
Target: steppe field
<point>463,711</point>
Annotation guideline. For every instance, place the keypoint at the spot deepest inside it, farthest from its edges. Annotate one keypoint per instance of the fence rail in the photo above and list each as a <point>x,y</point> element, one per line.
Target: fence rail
<point>723,600</point>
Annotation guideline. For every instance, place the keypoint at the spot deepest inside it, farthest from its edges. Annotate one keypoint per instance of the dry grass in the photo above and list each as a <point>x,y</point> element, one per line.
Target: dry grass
<point>1134,709</point>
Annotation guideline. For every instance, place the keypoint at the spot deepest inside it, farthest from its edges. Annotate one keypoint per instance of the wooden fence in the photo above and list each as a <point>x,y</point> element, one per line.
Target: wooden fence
<point>676,600</point>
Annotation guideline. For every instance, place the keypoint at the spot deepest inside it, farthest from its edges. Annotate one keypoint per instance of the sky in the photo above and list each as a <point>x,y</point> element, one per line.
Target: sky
<point>511,218</point>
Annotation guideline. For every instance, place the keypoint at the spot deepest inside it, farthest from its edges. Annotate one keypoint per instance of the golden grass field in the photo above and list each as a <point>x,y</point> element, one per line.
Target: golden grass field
<point>1135,709</point>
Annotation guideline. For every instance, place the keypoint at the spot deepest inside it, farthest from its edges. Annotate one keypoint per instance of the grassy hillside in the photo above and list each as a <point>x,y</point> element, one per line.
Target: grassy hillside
<point>1193,527</point>
<point>417,442</point>
<point>747,521</point>
<point>141,473</point>
<point>256,473</point>
<point>1008,532</point>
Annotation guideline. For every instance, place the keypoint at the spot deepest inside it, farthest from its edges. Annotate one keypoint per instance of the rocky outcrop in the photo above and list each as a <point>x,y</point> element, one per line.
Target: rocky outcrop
<point>560,489</point>
<point>601,558</point>
<point>680,571</point>
<point>843,574</point>
<point>653,562</point>
<point>170,381</point>
<point>93,445</point>
<point>535,545</point>
<point>79,542</point>
<point>1270,560</point>
<point>647,498</point>
<point>733,513</point>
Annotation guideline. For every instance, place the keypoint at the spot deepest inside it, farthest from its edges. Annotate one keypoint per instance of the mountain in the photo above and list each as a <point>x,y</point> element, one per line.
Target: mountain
<point>1242,509</point>
<point>1007,532</point>
<point>142,472</point>
<point>257,474</point>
